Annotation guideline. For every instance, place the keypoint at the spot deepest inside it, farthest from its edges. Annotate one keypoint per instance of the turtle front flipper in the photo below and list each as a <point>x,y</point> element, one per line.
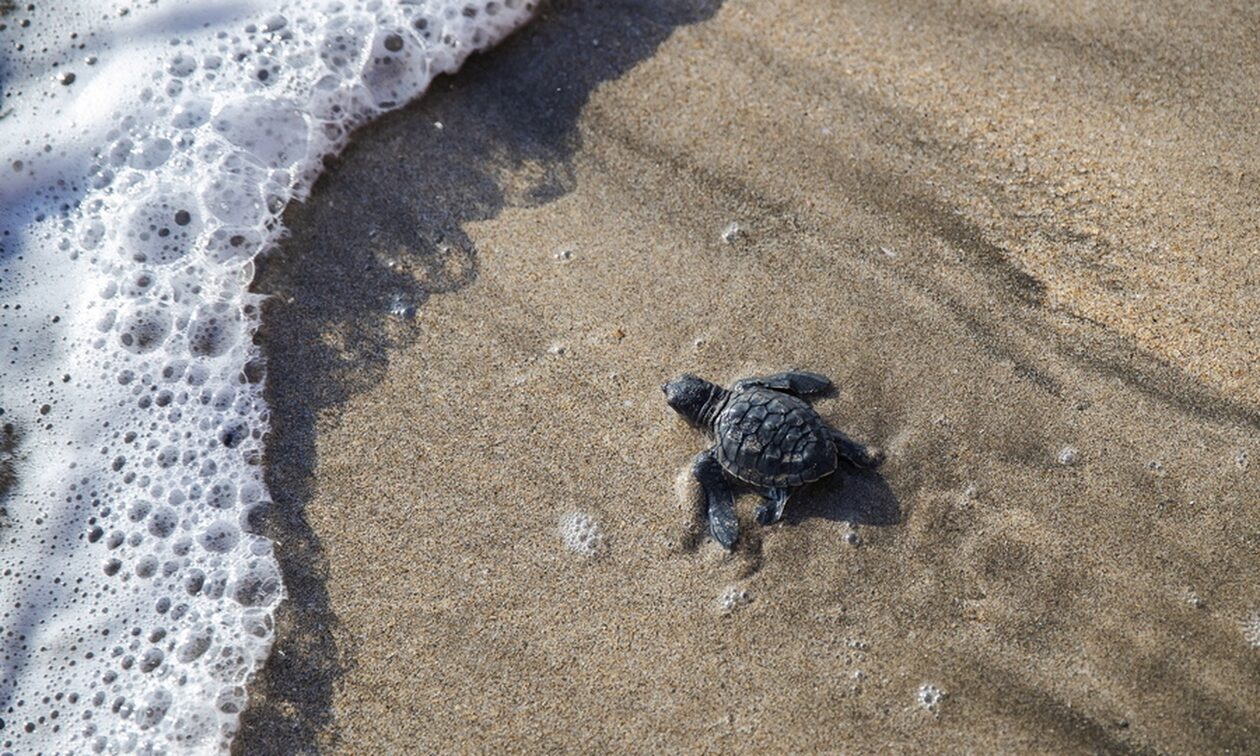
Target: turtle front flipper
<point>772,511</point>
<point>800,383</point>
<point>723,525</point>
<point>865,457</point>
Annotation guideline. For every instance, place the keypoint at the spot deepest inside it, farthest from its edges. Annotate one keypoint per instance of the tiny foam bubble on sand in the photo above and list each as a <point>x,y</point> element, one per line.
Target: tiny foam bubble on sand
<point>583,535</point>
<point>733,598</point>
<point>929,696</point>
<point>1192,598</point>
<point>402,307</point>
<point>733,232</point>
<point>1251,629</point>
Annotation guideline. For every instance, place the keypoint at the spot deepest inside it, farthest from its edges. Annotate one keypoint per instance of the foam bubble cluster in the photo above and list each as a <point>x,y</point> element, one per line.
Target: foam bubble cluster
<point>929,696</point>
<point>147,150</point>
<point>733,598</point>
<point>1251,629</point>
<point>583,535</point>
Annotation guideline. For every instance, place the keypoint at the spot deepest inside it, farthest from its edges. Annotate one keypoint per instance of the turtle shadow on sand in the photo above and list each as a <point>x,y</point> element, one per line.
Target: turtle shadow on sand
<point>858,497</point>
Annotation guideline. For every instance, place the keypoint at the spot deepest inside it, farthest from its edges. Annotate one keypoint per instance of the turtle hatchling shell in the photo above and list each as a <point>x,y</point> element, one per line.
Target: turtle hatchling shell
<point>772,439</point>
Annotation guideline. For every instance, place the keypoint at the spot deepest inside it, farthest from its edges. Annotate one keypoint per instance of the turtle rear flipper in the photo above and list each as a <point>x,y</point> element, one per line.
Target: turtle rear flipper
<point>723,524</point>
<point>772,511</point>
<point>799,382</point>
<point>865,457</point>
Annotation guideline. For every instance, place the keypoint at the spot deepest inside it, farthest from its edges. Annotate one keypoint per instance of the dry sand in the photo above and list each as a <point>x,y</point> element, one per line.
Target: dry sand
<point>1015,235</point>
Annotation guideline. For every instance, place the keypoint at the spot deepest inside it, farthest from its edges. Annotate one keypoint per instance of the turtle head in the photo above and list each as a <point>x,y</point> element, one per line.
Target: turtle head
<point>693,397</point>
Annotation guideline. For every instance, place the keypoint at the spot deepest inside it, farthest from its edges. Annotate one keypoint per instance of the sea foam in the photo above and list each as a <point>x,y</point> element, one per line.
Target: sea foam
<point>147,150</point>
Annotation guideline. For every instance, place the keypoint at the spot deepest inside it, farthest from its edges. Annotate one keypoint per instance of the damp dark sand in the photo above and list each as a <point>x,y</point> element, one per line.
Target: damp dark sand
<point>1023,240</point>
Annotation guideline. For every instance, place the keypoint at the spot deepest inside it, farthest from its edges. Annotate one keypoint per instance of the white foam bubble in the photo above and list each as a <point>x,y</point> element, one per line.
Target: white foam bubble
<point>929,696</point>
<point>733,598</point>
<point>583,534</point>
<point>733,232</point>
<point>1251,629</point>
<point>1192,598</point>
<point>147,150</point>
<point>1068,456</point>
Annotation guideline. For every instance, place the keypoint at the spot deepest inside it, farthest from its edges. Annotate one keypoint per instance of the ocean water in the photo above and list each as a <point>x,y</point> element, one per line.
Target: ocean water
<point>147,151</point>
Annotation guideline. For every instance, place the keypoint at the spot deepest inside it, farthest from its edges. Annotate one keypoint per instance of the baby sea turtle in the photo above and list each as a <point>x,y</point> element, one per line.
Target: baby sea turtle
<point>767,438</point>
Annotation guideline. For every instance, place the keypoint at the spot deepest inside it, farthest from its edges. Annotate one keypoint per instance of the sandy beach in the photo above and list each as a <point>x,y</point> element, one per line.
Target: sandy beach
<point>1023,240</point>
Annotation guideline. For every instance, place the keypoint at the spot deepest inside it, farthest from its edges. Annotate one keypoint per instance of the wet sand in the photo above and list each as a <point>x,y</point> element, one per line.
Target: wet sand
<point>1021,240</point>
